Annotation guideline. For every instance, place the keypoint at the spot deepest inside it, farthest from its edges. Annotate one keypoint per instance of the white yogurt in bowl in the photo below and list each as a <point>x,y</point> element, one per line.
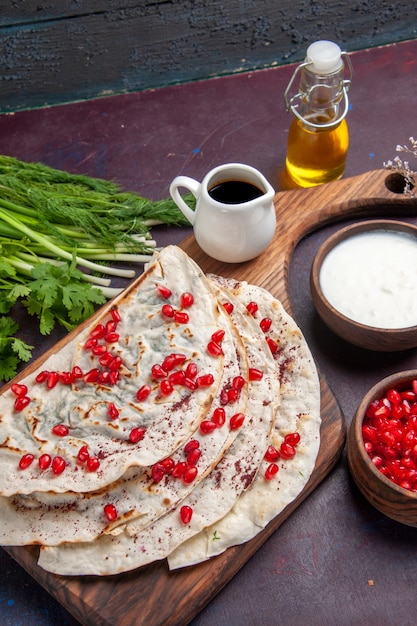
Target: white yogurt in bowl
<point>371,278</point>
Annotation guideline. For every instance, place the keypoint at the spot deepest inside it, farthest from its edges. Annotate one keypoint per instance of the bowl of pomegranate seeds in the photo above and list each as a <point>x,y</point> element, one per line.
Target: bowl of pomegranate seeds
<point>382,447</point>
<point>363,284</point>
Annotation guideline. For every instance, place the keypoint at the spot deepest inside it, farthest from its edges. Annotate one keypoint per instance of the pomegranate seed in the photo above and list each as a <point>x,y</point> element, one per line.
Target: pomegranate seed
<point>19,389</point>
<point>92,376</point>
<point>224,397</point>
<point>115,364</point>
<point>273,346</point>
<point>104,377</point>
<point>177,378</point>
<point>110,327</point>
<point>190,474</point>
<point>115,315</point>
<point>218,336</point>
<point>66,378</point>
<point>52,380</point>
<point>187,299</point>
<point>164,291</point>
<point>21,402</point>
<point>193,457</point>
<point>219,417</point>
<point>105,359</point>
<point>181,317</point>
<point>186,514</point>
<point>90,343</point>
<point>214,349</point>
<point>191,370</point>
<point>111,337</point>
<point>238,382</point>
<point>179,470</point>
<point>191,445</point>
<point>58,465</point>
<point>293,439</point>
<point>228,307</point>
<point>110,512</point>
<point>42,376</point>
<point>271,454</point>
<point>236,421</point>
<point>206,380</point>
<point>143,392</point>
<point>265,324</point>
<point>252,308</point>
<point>168,464</point>
<point>157,371</point>
<point>113,411</point>
<point>99,350</point>
<point>25,461</point>
<point>172,360</point>
<point>232,395</point>
<point>255,374</point>
<point>77,372</point>
<point>98,332</point>
<point>60,430</point>
<point>207,426</point>
<point>137,434</point>
<point>92,463</point>
<point>393,396</point>
<point>83,454</point>
<point>165,388</point>
<point>168,310</point>
<point>271,471</point>
<point>189,383</point>
<point>157,472</point>
<point>287,451</point>
<point>44,461</point>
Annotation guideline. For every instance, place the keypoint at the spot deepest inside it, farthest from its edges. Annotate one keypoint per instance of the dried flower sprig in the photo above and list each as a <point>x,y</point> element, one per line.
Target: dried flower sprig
<point>403,168</point>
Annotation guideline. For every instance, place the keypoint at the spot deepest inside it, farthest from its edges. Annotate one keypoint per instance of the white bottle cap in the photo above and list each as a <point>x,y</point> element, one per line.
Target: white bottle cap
<point>324,57</point>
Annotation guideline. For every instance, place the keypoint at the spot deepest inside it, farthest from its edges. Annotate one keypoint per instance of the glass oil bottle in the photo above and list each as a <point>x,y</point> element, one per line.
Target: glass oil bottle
<point>318,138</point>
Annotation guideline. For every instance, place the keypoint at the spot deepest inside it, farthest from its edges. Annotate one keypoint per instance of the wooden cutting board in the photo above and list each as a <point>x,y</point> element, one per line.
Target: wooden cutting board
<point>118,600</point>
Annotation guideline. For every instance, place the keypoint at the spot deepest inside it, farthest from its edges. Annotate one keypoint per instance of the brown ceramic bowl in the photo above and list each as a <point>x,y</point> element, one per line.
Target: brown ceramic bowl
<point>369,337</point>
<point>395,502</point>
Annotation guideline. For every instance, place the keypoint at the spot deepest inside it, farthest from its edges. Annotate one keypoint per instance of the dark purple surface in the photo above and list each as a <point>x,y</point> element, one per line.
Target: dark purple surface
<point>336,560</point>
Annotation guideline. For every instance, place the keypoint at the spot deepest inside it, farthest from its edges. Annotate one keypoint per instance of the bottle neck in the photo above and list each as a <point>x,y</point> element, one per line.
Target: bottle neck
<point>321,98</point>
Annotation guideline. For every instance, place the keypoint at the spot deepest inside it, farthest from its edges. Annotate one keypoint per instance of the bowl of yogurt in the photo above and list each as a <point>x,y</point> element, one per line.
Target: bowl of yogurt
<point>363,284</point>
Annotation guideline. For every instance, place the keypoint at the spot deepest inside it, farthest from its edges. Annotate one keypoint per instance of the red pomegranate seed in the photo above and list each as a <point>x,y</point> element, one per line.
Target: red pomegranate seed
<point>218,336</point>
<point>173,360</point>
<point>115,364</point>
<point>157,371</point>
<point>164,291</point>
<point>111,337</point>
<point>206,380</point>
<point>292,438</point>
<point>238,382</point>
<point>271,471</point>
<point>219,417</point>
<point>228,307</point>
<point>165,388</point>
<point>113,411</point>
<point>187,299</point>
<point>236,421</point>
<point>110,327</point>
<point>19,389</point>
<point>105,359</point>
<point>77,372</point>
<point>179,469</point>
<point>143,392</point>
<point>157,472</point>
<point>168,310</point>
<point>44,461</point>
<point>52,380</point>
<point>193,457</point>
<point>252,308</point>
<point>110,512</point>
<point>191,370</point>
<point>98,332</point>
<point>92,376</point>
<point>60,430</point>
<point>286,450</point>
<point>214,349</point>
<point>42,376</point>
<point>265,324</point>
<point>393,396</point>
<point>21,402</point>
<point>83,454</point>
<point>190,474</point>
<point>186,514</point>
<point>92,463</point>
<point>137,434</point>
<point>255,374</point>
<point>224,399</point>
<point>90,343</point>
<point>207,426</point>
<point>104,377</point>
<point>115,315</point>
<point>191,445</point>
<point>58,465</point>
<point>181,317</point>
<point>271,454</point>
<point>99,349</point>
<point>66,378</point>
<point>232,395</point>
<point>25,461</point>
<point>189,383</point>
<point>273,346</point>
<point>177,378</point>
<point>168,464</point>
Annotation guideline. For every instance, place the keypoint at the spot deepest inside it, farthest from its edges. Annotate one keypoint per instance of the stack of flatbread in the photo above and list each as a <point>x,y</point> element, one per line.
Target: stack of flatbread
<point>202,364</point>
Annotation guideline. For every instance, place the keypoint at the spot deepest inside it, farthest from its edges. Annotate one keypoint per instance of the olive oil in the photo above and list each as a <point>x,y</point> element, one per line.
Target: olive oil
<point>314,155</point>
